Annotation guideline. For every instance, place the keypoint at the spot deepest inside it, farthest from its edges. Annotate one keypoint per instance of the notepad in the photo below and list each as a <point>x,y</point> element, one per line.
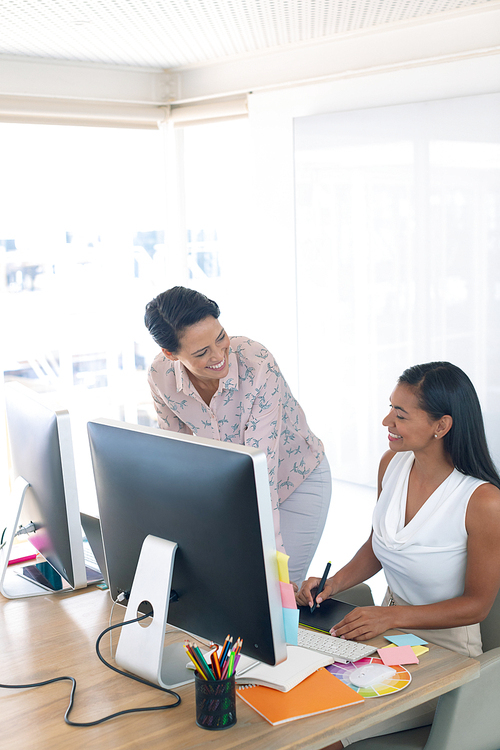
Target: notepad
<point>300,663</point>
<point>318,693</point>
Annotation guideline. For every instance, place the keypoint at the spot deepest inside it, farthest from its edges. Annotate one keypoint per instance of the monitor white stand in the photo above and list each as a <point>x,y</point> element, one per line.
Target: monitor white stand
<point>141,649</point>
<point>13,586</point>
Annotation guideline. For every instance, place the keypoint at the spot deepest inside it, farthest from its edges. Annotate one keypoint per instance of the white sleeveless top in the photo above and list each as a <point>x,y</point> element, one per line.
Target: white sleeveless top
<point>424,562</point>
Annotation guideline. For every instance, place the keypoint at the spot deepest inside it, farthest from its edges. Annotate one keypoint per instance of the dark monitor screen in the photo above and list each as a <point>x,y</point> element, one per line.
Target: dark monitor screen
<point>41,453</point>
<point>212,499</point>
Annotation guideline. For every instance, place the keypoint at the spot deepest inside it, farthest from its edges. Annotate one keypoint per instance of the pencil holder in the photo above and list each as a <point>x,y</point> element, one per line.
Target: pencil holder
<point>215,702</point>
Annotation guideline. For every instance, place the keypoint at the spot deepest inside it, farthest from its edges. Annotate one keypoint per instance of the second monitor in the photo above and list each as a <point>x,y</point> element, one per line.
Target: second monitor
<point>44,498</point>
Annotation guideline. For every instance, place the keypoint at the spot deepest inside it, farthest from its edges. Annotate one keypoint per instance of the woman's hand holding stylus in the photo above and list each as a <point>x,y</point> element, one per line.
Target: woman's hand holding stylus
<point>307,592</point>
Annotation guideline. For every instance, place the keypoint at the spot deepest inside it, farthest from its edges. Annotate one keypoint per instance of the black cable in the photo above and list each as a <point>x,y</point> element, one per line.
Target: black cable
<point>115,669</point>
<point>127,674</point>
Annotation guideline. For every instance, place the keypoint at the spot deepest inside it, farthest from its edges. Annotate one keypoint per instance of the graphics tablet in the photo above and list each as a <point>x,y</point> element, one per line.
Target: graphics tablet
<point>324,617</point>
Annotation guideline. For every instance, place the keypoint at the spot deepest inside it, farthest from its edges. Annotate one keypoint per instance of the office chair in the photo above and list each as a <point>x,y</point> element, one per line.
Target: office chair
<point>360,596</point>
<point>466,718</point>
<point>490,627</point>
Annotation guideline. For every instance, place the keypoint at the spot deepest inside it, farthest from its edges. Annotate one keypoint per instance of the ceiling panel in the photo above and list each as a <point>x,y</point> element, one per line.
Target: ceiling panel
<point>175,33</point>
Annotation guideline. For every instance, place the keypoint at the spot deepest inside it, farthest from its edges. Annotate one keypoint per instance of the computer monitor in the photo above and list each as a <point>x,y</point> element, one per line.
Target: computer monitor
<point>212,500</point>
<point>44,499</point>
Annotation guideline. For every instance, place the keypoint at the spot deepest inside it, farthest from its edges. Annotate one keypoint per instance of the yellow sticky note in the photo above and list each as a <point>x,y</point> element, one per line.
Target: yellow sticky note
<point>283,567</point>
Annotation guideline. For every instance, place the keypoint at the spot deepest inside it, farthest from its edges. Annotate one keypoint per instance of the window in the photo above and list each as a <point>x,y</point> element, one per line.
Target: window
<point>85,244</point>
<point>398,230</point>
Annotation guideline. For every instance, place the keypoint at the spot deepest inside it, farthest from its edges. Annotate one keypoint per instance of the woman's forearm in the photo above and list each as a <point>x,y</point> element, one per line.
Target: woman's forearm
<point>363,566</point>
<point>452,613</point>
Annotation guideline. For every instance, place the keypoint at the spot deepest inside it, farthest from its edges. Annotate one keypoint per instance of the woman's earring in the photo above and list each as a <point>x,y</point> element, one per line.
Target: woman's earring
<point>435,436</point>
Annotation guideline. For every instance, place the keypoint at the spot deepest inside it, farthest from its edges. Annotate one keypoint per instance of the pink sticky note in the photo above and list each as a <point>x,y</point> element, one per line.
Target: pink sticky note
<point>288,596</point>
<point>398,655</point>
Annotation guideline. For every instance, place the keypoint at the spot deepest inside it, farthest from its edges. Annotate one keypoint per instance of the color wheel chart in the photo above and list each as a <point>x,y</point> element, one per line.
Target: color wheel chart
<point>400,680</point>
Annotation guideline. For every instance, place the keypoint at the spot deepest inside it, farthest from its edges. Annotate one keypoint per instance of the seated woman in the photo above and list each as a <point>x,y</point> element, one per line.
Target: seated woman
<point>207,384</point>
<point>436,526</point>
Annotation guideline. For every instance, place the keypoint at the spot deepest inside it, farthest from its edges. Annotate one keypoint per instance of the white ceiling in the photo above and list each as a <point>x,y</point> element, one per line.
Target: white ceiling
<point>171,34</point>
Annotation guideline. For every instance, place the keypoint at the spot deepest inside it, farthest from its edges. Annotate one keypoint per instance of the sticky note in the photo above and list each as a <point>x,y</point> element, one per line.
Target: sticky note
<point>397,655</point>
<point>283,567</point>
<point>417,650</point>
<point>407,639</point>
<point>288,595</point>
<point>291,622</point>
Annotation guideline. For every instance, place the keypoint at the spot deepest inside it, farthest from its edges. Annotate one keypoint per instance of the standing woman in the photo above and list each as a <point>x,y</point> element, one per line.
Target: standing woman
<point>231,389</point>
<point>436,525</point>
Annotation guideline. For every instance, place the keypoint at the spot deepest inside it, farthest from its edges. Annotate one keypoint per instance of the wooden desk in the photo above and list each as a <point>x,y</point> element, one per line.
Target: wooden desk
<point>45,637</point>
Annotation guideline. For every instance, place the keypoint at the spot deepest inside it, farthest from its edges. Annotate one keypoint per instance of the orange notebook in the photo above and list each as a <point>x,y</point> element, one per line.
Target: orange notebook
<point>319,692</point>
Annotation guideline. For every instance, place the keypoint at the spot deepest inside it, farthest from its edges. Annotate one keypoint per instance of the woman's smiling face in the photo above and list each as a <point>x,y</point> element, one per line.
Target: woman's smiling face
<point>410,427</point>
<point>204,349</point>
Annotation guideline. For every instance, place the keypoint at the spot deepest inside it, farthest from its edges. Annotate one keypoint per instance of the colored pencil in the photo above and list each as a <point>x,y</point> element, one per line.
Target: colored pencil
<point>197,666</point>
<point>230,664</point>
<point>215,664</point>
<point>203,663</point>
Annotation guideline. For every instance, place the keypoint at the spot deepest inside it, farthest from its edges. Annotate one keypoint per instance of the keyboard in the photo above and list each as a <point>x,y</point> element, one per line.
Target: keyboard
<point>339,649</point>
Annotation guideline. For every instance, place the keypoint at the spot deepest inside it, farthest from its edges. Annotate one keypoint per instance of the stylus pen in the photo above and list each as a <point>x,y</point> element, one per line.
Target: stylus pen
<point>321,585</point>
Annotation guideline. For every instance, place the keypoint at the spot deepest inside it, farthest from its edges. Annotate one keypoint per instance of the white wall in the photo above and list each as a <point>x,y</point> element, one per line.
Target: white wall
<point>272,123</point>
<point>272,118</point>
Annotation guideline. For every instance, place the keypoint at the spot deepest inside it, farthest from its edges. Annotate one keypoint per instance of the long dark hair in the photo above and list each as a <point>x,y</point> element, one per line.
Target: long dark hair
<point>171,312</point>
<point>443,388</point>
